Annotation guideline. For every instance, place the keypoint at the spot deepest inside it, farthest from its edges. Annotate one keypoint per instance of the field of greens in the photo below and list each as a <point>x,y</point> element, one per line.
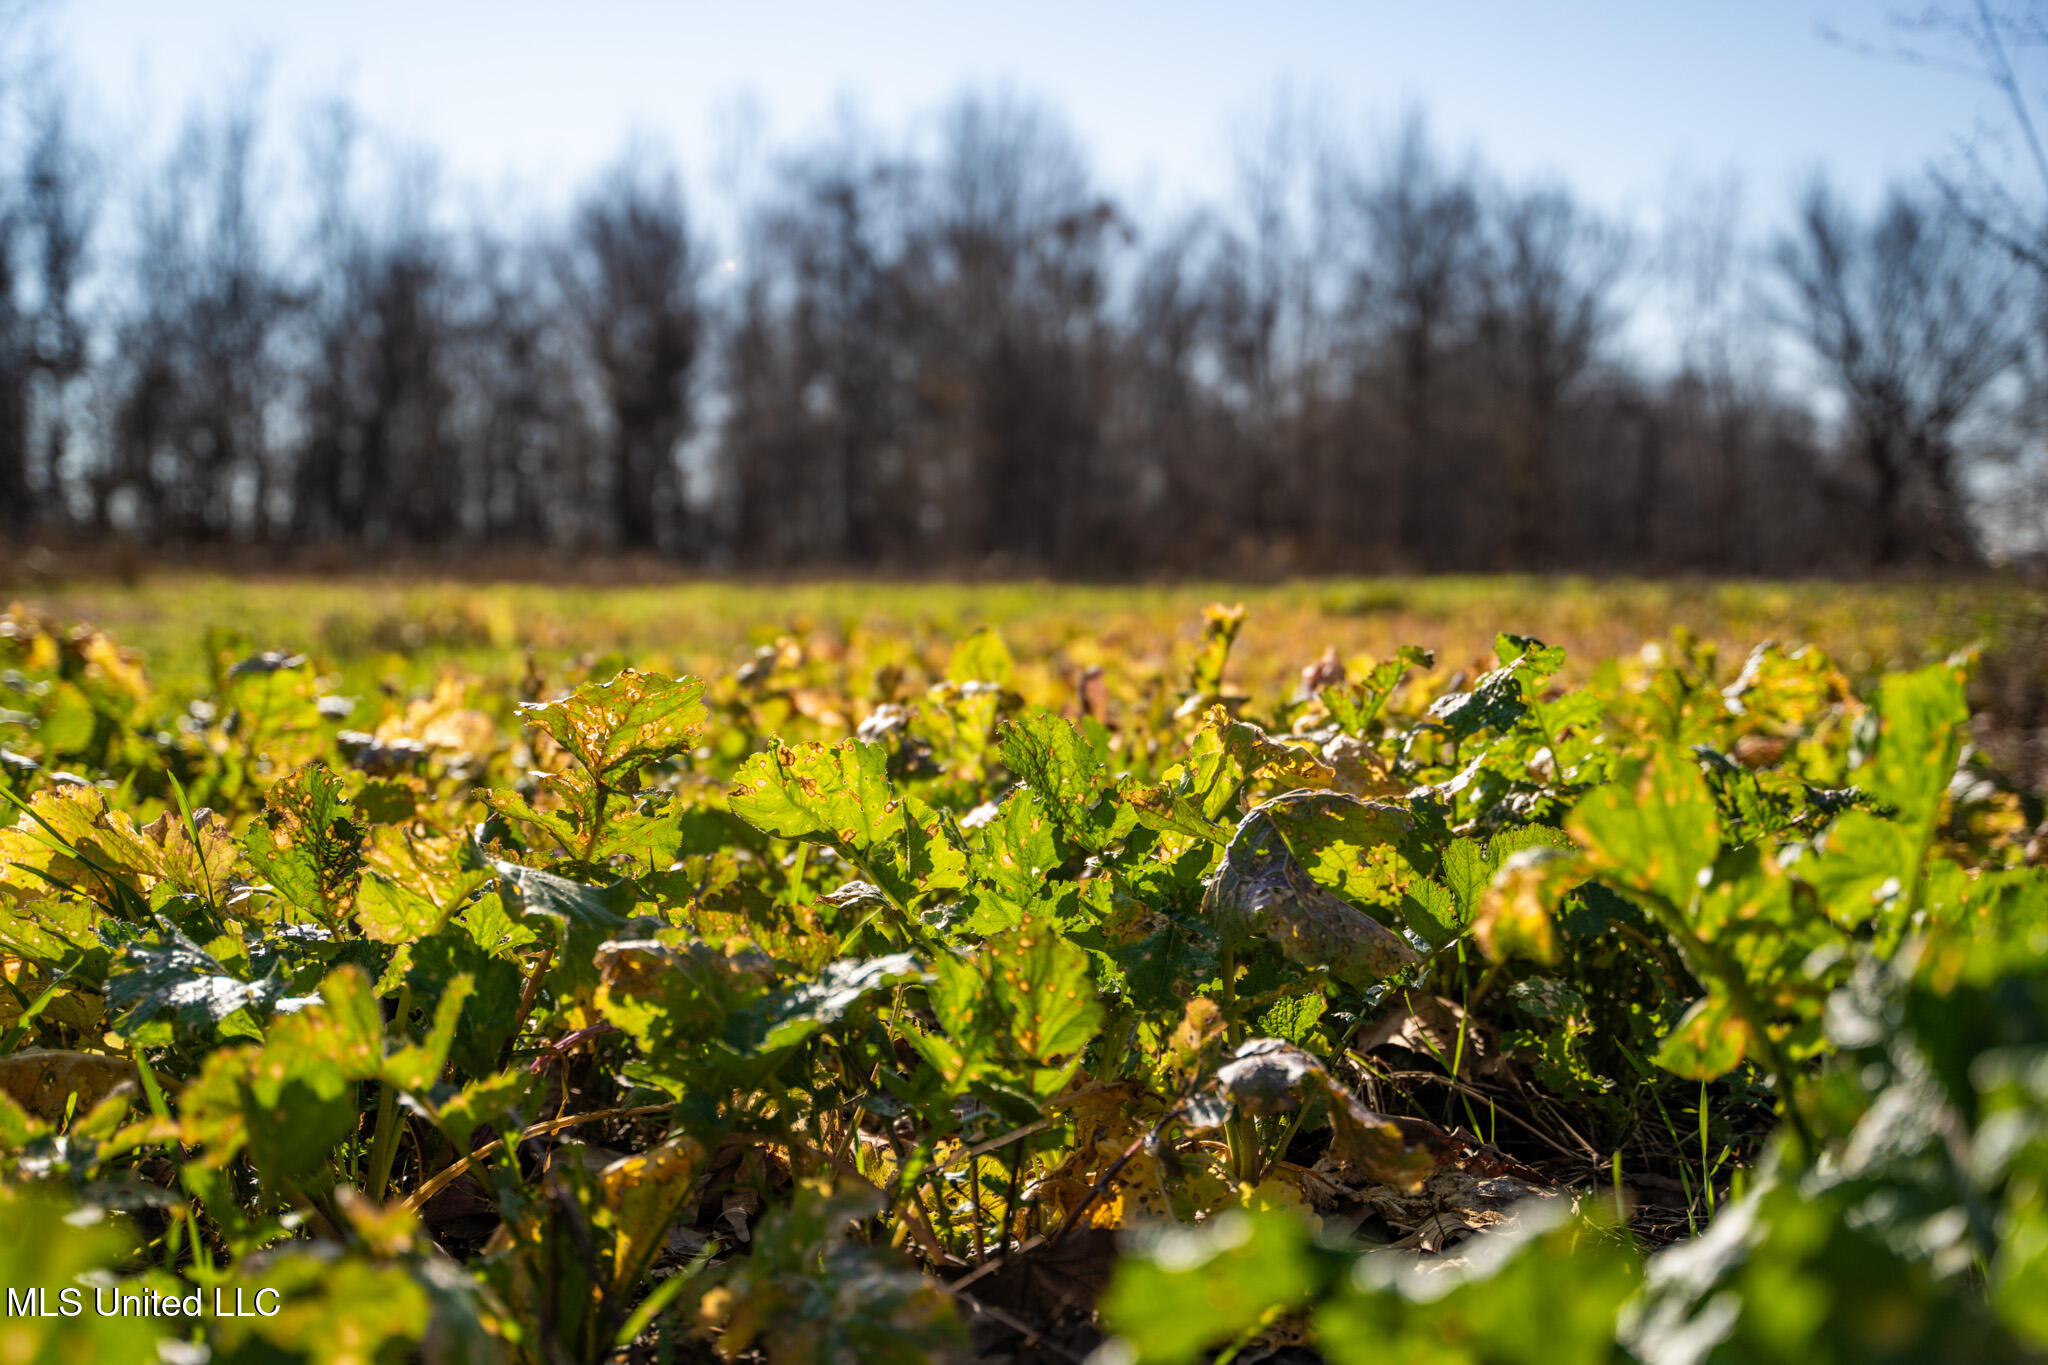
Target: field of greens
<point>853,973</point>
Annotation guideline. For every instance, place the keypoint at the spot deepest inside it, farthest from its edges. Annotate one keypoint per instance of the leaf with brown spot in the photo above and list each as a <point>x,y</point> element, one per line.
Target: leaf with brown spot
<point>641,1194</point>
<point>612,728</point>
<point>309,844</point>
<point>1262,891</point>
<point>1261,755</point>
<point>1519,909</point>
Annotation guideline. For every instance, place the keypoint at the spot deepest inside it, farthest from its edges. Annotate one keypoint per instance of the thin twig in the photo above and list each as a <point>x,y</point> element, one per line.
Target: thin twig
<point>527,997</point>
<point>994,1144</point>
<point>838,1163</point>
<point>1460,1086</point>
<point>1030,1334</point>
<point>990,1266</point>
<point>448,1175</point>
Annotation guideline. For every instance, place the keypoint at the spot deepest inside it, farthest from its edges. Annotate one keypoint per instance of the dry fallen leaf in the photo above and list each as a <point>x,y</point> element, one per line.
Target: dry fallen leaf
<point>42,1080</point>
<point>1435,1027</point>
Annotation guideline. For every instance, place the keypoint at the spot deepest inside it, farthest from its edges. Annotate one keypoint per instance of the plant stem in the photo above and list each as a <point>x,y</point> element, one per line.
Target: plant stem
<point>1238,1133</point>
<point>383,1144</point>
<point>527,996</point>
<point>1705,960</point>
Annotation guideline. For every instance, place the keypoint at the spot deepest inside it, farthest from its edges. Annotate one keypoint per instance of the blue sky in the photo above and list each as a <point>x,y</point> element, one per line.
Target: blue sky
<point>1613,97</point>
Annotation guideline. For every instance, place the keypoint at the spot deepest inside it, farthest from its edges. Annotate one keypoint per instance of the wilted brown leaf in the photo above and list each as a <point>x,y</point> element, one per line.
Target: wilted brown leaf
<point>1517,913</point>
<point>1268,1076</point>
<point>43,1080</point>
<point>1432,1026</point>
<point>643,1192</point>
<point>1262,891</point>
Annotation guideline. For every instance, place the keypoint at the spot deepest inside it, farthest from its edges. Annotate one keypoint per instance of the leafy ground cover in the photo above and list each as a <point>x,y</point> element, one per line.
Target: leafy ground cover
<point>494,976</point>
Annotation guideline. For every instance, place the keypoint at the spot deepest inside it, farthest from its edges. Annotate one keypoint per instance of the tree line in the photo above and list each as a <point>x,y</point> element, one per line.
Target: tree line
<point>960,350</point>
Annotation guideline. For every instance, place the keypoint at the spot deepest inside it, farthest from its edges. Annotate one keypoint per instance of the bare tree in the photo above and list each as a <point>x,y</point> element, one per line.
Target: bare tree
<point>1420,282</point>
<point>1547,304</point>
<point>516,389</point>
<point>199,347</point>
<point>947,352</point>
<point>1180,476</point>
<point>44,230</point>
<point>1909,317</point>
<point>1275,287</point>
<point>630,275</point>
<point>832,239</point>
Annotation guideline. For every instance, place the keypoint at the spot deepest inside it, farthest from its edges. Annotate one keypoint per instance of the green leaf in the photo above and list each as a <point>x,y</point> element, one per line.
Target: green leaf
<point>1466,873</point>
<point>1494,703</point>
<point>1520,910</point>
<point>1548,1291</point>
<point>1659,830</point>
<point>564,827</point>
<point>1810,1272</point>
<point>68,723</point>
<point>793,1014</point>
<point>1257,754</point>
<point>1710,1041</point>
<point>1356,705</point>
<point>390,913</point>
<point>982,657</point>
<point>172,977</point>
<point>1171,812</point>
<point>1295,1018</point>
<point>839,794</point>
<point>636,718</point>
<point>695,1010</point>
<point>1220,625</point>
<point>308,844</point>
<point>807,1293</point>
<point>642,1193</point>
<point>493,1100</point>
<point>418,1066</point>
<point>329,1310</point>
<point>1068,766</point>
<point>1921,717</point>
<point>1863,868</point>
<point>1540,661</point>
<point>1025,1000</point>
<point>1040,983</point>
<point>583,916</point>
<point>1018,849</point>
<point>1182,1291</point>
<point>492,1008</point>
<point>385,802</point>
<point>293,1100</point>
<point>50,1248</point>
<point>931,857</point>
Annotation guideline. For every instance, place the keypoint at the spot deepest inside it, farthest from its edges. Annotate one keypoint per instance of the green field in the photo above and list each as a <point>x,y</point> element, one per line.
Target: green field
<point>404,626</point>
<point>1466,970</point>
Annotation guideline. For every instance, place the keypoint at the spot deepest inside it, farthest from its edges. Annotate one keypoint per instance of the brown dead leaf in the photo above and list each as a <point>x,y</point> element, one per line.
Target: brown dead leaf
<point>1760,751</point>
<point>42,1080</point>
<point>1091,696</point>
<point>1430,1026</point>
<point>1452,1205</point>
<point>1360,769</point>
<point>1327,671</point>
<point>1269,1076</point>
